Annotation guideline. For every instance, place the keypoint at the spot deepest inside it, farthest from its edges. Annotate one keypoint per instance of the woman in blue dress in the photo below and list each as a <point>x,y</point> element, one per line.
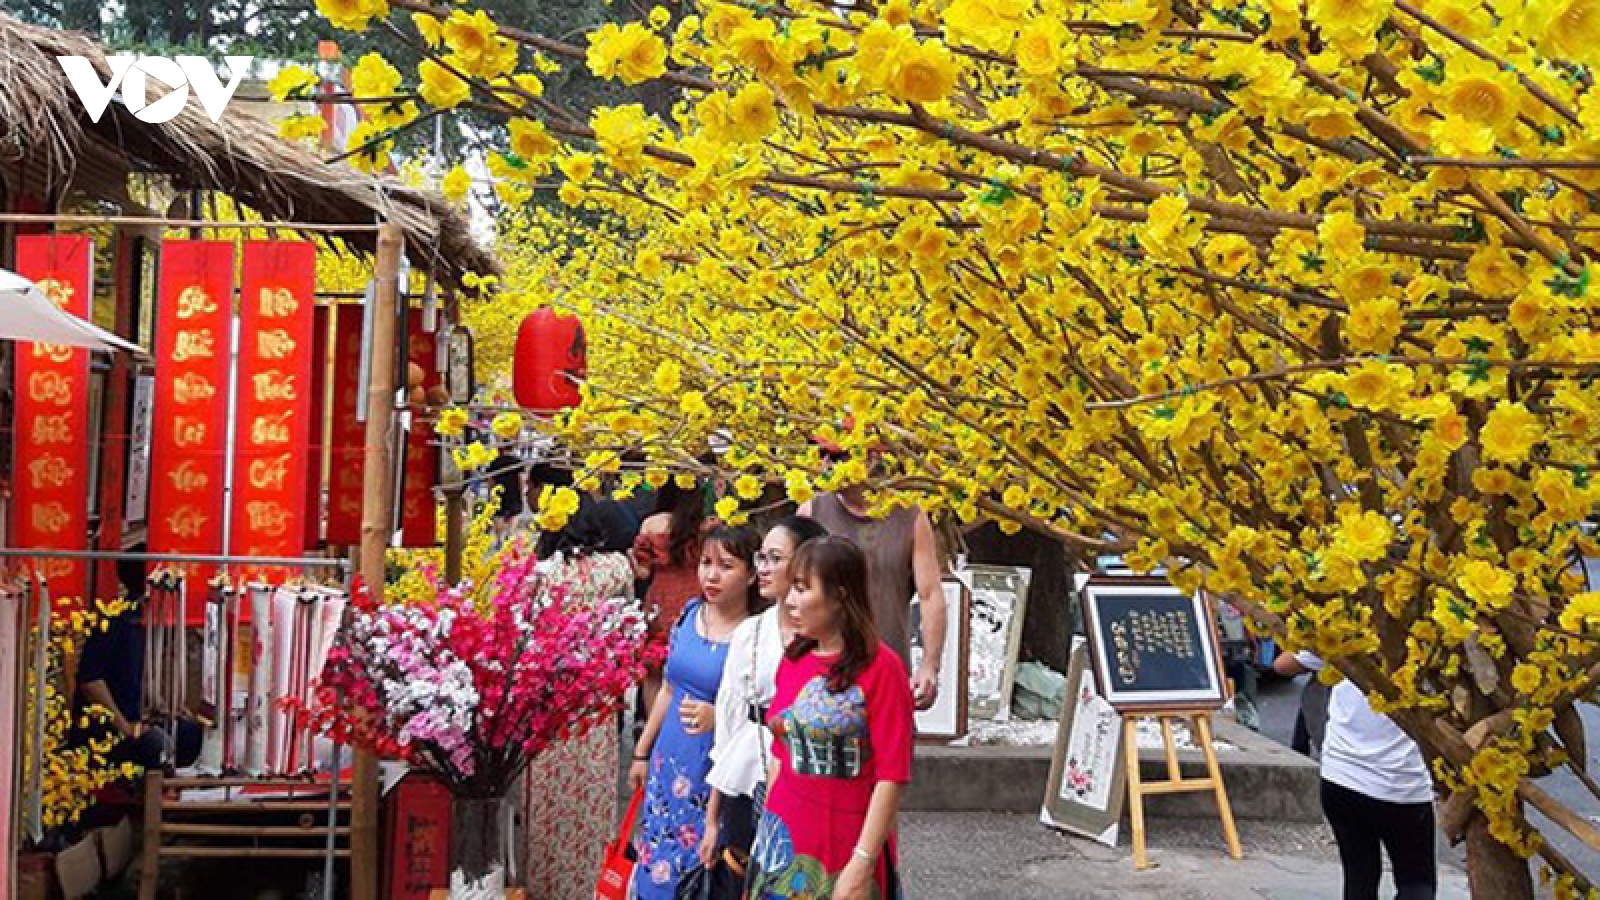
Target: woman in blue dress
<point>673,755</point>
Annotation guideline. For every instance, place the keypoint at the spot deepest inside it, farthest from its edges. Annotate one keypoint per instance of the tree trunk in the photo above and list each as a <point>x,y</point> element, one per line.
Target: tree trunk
<point>1493,869</point>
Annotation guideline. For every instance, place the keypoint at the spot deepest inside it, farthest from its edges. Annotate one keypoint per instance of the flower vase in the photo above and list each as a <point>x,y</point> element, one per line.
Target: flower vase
<point>479,831</point>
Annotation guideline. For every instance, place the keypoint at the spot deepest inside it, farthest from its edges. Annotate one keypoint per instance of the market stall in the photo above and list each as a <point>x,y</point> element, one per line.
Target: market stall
<point>257,440</point>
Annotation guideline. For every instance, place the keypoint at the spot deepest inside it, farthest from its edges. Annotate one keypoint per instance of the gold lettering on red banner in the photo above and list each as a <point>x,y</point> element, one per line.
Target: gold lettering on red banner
<point>189,440</point>
<point>270,446</point>
<point>274,385</point>
<point>51,491</point>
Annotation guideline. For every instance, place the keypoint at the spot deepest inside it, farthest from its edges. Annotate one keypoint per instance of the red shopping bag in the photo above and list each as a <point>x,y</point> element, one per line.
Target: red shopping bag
<point>617,870</point>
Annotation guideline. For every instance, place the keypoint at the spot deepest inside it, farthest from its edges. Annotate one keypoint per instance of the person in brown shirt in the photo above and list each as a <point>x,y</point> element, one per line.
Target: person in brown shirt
<point>903,559</point>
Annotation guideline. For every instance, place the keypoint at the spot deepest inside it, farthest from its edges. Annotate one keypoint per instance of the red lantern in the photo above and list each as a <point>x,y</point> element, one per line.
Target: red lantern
<point>551,361</point>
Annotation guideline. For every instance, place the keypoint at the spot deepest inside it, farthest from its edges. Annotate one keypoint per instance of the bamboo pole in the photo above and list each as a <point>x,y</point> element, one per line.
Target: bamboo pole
<point>377,525</point>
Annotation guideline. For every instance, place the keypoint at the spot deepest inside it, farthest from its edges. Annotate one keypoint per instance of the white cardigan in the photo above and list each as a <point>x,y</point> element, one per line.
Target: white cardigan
<point>738,754</point>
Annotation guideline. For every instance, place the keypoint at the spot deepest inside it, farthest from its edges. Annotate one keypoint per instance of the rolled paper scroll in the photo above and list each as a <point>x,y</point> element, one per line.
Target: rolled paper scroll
<point>255,740</point>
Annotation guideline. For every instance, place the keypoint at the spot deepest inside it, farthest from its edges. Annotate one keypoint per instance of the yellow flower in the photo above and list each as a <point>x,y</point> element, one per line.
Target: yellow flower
<point>1569,29</point>
<point>473,456</point>
<point>1366,535</point>
<point>452,422</point>
<point>659,17</point>
<point>292,82</point>
<point>669,377</point>
<point>301,126</point>
<point>578,167</point>
<point>797,485</point>
<point>924,72</point>
<point>530,141</point>
<point>622,133</point>
<point>370,148</point>
<point>1526,678</point>
<point>1341,235</point>
<point>428,27</point>
<point>507,425</point>
<point>1043,46</point>
<point>1373,325</point>
<point>630,53</point>
<point>470,36</point>
<point>727,507</point>
<point>352,15</point>
<point>752,114</point>
<point>455,184</point>
<point>1487,583</point>
<point>693,404</point>
<point>748,487</point>
<point>374,77</point>
<point>1510,433</point>
<point>441,88</point>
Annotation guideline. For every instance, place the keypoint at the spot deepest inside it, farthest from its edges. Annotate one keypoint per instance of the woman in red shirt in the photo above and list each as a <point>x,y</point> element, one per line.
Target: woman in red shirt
<point>842,723</point>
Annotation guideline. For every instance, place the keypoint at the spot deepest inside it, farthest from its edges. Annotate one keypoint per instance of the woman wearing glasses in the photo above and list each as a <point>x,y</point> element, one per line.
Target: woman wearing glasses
<point>738,767</point>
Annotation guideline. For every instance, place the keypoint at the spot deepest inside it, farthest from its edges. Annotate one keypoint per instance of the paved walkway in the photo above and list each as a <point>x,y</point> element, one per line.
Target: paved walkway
<point>960,856</point>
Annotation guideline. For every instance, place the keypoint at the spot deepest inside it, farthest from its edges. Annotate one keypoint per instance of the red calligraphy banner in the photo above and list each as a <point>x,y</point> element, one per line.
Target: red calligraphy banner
<point>273,405</point>
<point>194,345</point>
<point>51,466</point>
<point>419,517</point>
<point>319,427</point>
<point>347,434</point>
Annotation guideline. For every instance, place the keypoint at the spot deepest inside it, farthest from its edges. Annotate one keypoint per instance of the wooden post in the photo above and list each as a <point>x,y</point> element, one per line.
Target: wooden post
<point>377,527</point>
<point>455,536</point>
<point>150,869</point>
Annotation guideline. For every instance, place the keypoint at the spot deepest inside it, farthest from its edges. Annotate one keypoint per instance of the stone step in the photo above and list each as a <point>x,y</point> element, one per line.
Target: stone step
<point>1266,781</point>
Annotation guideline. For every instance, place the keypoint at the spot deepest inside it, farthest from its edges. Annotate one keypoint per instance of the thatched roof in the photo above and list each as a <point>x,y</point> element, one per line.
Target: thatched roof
<point>43,124</point>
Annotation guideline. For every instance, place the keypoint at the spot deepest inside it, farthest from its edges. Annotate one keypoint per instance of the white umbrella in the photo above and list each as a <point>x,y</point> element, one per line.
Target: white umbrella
<point>26,314</point>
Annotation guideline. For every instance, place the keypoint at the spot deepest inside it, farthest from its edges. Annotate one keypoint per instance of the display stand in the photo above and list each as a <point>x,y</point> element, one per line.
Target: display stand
<point>243,836</point>
<point>377,526</point>
<point>1175,784</point>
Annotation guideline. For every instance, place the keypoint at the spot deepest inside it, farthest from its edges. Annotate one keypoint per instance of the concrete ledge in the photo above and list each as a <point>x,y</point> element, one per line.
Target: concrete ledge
<point>1266,781</point>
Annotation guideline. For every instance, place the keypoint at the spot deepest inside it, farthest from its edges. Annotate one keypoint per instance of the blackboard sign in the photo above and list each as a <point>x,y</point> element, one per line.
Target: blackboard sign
<point>1152,646</point>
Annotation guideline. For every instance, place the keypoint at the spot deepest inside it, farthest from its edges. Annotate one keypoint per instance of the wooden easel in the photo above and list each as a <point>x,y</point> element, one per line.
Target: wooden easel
<point>1200,723</point>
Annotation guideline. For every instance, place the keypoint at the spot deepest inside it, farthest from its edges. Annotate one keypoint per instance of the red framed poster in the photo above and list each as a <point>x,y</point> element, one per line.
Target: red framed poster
<point>273,406</point>
<point>51,465</point>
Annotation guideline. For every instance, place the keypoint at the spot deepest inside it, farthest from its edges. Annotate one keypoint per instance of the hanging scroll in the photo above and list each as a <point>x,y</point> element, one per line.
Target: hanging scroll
<point>419,525</point>
<point>273,393</point>
<point>51,465</point>
<point>319,427</point>
<point>193,348</point>
<point>347,434</point>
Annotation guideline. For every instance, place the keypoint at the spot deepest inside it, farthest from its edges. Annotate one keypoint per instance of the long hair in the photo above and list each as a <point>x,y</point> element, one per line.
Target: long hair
<point>741,542</point>
<point>687,509</point>
<point>801,528</point>
<point>834,566</point>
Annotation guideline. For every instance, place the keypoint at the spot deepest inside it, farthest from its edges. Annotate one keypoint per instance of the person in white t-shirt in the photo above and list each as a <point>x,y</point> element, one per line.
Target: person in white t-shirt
<point>1376,793</point>
<point>738,758</point>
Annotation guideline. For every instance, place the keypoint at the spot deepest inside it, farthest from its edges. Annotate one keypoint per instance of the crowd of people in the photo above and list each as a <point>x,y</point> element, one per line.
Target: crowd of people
<point>775,738</point>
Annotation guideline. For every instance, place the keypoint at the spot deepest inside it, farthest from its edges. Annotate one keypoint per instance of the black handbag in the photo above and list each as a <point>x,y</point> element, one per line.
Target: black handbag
<point>719,882</point>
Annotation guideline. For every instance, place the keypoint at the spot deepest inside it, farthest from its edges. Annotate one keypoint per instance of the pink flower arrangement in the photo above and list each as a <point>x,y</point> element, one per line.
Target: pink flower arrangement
<point>473,684</point>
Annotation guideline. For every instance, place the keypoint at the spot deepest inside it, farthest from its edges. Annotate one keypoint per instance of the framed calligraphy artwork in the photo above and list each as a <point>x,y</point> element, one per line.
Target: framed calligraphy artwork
<point>1086,787</point>
<point>946,720</point>
<point>1152,646</point>
<point>999,603</point>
